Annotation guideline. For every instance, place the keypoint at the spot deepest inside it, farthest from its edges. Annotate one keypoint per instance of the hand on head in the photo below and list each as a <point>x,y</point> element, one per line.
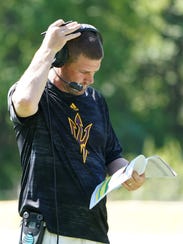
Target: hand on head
<point>59,33</point>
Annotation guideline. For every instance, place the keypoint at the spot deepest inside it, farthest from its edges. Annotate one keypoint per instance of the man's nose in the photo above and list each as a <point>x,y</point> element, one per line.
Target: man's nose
<point>89,79</point>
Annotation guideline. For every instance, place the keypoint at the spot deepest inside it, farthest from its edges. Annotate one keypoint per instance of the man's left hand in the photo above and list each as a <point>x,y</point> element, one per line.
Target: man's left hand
<point>134,182</point>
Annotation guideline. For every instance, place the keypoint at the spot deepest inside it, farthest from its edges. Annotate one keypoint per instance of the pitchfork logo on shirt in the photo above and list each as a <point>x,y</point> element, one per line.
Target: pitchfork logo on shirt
<point>80,133</point>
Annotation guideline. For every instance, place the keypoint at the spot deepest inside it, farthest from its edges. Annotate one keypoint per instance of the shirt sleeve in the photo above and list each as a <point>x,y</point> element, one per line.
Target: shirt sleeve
<point>12,112</point>
<point>13,116</point>
<point>113,146</point>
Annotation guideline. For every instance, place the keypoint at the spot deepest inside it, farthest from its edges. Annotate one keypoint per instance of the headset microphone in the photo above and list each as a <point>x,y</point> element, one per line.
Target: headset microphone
<point>74,85</point>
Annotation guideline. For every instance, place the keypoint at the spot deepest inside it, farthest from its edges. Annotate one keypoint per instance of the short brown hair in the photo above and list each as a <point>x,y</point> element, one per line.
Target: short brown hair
<point>89,44</point>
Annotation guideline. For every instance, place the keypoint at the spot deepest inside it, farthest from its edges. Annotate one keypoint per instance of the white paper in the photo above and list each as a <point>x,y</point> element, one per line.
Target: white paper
<point>153,166</point>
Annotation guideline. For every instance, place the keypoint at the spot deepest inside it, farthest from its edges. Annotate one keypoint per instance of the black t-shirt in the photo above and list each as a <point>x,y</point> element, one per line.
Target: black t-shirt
<point>65,148</point>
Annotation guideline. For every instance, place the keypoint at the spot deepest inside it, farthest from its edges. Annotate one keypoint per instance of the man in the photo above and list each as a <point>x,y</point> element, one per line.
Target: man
<point>65,139</point>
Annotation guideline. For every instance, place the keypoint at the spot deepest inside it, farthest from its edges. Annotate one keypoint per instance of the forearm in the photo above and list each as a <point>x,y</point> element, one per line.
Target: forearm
<point>32,83</point>
<point>116,164</point>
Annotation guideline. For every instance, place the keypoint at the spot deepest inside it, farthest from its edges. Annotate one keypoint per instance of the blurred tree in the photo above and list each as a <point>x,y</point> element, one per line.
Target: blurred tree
<point>141,74</point>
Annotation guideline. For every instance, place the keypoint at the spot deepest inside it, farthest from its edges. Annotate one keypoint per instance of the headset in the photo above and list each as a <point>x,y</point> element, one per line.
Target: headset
<point>62,56</point>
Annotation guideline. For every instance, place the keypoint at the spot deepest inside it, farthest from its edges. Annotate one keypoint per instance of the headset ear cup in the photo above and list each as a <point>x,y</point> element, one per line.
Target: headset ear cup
<point>61,57</point>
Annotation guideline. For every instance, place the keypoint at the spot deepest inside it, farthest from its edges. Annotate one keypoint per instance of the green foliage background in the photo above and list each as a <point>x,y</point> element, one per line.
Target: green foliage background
<point>141,77</point>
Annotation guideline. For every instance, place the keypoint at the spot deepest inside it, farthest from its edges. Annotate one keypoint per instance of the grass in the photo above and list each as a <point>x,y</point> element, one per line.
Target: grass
<point>130,220</point>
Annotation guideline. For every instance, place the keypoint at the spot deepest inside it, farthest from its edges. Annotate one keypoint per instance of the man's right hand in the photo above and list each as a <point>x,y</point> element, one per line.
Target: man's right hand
<point>58,34</point>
